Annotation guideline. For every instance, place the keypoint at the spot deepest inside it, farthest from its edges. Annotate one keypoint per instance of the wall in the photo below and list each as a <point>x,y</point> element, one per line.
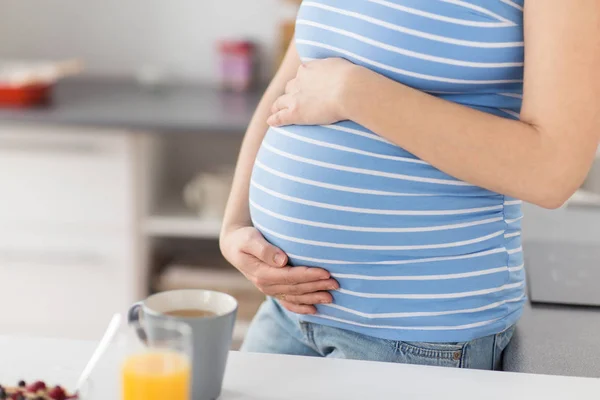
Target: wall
<point>118,37</point>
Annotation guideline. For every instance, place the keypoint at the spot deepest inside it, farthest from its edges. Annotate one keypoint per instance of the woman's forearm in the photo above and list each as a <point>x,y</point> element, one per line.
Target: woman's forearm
<point>237,213</point>
<point>492,152</point>
<point>506,156</point>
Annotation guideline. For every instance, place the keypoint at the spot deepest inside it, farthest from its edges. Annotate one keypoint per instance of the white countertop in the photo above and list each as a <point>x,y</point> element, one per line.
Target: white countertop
<point>268,377</point>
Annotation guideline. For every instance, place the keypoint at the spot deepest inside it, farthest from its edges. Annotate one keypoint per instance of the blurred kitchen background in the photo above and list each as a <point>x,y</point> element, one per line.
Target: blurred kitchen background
<point>120,123</point>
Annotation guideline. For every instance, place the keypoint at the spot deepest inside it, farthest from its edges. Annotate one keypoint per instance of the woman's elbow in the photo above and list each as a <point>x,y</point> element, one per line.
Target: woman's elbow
<point>555,192</point>
<point>551,202</point>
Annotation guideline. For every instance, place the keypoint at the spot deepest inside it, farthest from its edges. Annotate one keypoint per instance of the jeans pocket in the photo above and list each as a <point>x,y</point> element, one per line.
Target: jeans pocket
<point>501,340</point>
<point>432,354</point>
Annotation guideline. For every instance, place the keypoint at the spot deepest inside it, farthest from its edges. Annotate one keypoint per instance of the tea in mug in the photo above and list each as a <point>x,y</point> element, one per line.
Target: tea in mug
<point>190,313</point>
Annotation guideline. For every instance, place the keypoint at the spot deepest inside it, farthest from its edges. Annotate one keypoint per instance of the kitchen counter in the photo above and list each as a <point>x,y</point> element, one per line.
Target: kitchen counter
<point>275,377</point>
<point>124,104</point>
<point>556,340</point>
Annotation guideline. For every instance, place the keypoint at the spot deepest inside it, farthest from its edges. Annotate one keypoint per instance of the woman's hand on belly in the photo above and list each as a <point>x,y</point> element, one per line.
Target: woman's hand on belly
<point>313,97</point>
<point>297,288</point>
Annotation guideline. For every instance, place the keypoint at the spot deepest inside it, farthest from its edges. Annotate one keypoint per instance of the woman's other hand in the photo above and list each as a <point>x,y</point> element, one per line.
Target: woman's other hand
<point>313,96</point>
<point>297,288</point>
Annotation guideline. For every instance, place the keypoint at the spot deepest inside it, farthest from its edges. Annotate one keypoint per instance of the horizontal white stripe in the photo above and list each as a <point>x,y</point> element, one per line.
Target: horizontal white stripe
<point>510,112</point>
<point>463,275</point>
<point>405,72</point>
<point>411,328</point>
<point>512,4</point>
<point>409,53</point>
<point>512,235</point>
<point>512,221</point>
<point>515,95</point>
<point>378,247</point>
<point>443,17</point>
<point>514,251</point>
<point>513,202</point>
<point>363,171</point>
<point>412,32</point>
<point>425,313</point>
<point>479,9</point>
<point>442,92</point>
<point>432,296</point>
<point>369,210</point>
<point>372,229</point>
<point>348,189</point>
<point>358,133</point>
<point>517,269</point>
<point>401,262</point>
<point>320,143</point>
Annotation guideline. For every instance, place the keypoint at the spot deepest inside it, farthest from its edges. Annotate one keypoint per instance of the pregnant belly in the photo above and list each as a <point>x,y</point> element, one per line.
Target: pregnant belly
<point>384,223</point>
<point>344,193</point>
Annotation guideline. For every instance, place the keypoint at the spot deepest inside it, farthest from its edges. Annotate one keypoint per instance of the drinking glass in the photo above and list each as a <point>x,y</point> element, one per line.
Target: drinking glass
<point>157,363</point>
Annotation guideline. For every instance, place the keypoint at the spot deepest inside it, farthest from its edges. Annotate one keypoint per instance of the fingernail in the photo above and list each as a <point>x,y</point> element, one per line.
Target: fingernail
<point>333,287</point>
<point>279,259</point>
<point>325,301</point>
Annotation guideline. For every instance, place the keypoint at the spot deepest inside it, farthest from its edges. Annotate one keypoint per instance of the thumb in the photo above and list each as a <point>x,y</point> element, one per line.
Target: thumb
<point>258,247</point>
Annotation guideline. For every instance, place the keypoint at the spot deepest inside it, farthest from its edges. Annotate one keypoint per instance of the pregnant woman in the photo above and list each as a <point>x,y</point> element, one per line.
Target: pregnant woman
<point>377,198</point>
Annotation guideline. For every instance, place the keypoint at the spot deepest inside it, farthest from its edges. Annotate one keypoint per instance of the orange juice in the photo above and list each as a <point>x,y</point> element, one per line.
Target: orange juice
<point>158,375</point>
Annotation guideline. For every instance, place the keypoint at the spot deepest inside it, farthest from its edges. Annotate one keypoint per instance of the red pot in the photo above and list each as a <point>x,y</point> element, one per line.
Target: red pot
<point>24,96</point>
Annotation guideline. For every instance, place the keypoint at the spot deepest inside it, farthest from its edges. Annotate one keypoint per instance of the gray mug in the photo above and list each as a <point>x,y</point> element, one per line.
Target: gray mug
<point>211,335</point>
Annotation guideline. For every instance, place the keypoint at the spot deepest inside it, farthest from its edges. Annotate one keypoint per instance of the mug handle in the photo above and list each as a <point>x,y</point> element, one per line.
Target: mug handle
<point>134,316</point>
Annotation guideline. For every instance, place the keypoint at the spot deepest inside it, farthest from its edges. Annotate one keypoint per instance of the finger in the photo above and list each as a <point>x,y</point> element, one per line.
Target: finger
<point>289,276</point>
<point>282,103</point>
<point>310,299</point>
<point>257,246</point>
<point>302,288</point>
<point>297,308</point>
<point>281,118</point>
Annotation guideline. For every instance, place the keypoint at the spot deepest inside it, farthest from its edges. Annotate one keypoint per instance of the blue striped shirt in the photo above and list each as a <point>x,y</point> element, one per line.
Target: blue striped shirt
<point>419,254</point>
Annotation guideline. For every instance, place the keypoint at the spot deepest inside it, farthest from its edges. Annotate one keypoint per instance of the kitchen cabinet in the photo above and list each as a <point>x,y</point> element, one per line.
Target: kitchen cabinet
<point>68,241</point>
<point>67,179</point>
<point>83,214</point>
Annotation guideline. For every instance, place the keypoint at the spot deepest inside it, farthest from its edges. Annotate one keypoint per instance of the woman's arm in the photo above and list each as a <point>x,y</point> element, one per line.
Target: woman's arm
<point>541,159</point>
<point>298,288</point>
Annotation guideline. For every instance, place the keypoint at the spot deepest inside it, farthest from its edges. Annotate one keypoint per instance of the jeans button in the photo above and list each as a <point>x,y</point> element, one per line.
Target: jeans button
<point>457,355</point>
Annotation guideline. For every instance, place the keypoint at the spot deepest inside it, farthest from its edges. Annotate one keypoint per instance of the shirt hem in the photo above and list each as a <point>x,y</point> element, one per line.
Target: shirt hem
<point>431,336</point>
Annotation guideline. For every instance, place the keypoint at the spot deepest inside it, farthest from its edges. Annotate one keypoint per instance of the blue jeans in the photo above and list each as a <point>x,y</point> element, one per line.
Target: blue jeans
<point>276,330</point>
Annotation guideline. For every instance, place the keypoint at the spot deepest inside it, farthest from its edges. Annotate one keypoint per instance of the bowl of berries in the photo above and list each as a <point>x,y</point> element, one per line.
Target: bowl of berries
<point>42,389</point>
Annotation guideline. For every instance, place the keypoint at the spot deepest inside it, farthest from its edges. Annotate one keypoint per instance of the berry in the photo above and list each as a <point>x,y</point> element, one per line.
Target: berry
<point>38,385</point>
<point>20,397</point>
<point>21,383</point>
<point>2,393</point>
<point>57,393</point>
